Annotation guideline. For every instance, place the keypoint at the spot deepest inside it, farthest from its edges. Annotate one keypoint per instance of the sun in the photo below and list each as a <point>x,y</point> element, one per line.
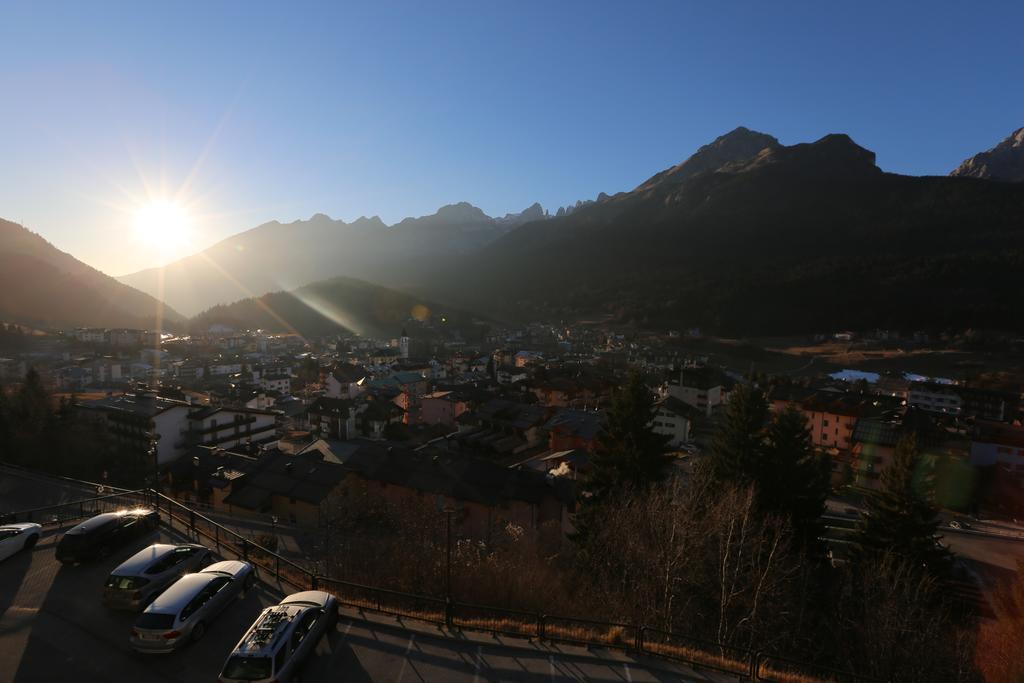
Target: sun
<point>163,224</point>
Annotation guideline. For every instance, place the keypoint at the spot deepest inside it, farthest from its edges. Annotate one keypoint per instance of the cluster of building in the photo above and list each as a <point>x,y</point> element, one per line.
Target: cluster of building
<point>501,427</point>
<point>860,429</point>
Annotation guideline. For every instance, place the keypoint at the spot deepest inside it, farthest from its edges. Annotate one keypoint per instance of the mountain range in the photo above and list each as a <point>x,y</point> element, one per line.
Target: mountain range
<point>745,236</point>
<point>749,236</point>
<point>275,256</point>
<point>43,286</point>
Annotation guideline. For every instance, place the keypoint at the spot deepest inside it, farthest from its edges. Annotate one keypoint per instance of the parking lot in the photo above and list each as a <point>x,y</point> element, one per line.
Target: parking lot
<point>53,627</point>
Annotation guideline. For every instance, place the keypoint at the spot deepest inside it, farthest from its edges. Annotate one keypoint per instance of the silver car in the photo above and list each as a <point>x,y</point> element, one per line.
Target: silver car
<point>181,613</point>
<point>281,638</point>
<point>145,574</point>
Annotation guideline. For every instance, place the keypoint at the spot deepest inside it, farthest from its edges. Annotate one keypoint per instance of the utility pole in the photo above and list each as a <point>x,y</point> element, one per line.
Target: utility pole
<point>154,452</point>
<point>448,510</point>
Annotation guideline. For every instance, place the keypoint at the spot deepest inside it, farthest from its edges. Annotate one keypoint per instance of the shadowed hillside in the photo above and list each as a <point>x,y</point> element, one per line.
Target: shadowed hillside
<point>329,307</point>
<point>43,286</point>
<point>792,239</point>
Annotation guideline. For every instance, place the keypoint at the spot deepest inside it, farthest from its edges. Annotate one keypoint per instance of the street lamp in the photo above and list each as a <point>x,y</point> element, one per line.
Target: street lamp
<point>154,452</point>
<point>448,509</point>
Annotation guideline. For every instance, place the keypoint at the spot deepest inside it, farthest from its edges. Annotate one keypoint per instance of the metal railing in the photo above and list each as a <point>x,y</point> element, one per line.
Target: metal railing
<point>65,513</point>
<point>744,663</point>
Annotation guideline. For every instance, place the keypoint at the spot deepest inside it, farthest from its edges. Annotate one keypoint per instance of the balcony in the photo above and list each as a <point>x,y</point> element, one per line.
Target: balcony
<point>221,427</point>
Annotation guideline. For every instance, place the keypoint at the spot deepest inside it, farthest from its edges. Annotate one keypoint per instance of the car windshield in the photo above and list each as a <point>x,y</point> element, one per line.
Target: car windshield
<point>154,620</point>
<point>247,668</point>
<point>126,583</point>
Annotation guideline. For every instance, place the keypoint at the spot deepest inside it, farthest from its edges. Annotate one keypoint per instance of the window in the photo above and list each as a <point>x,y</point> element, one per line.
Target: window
<point>304,626</point>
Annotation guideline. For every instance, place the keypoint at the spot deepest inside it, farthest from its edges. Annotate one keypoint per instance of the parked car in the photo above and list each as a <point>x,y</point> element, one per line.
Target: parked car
<point>142,577</point>
<point>281,638</point>
<point>181,613</point>
<point>959,524</point>
<point>15,537</point>
<point>100,535</point>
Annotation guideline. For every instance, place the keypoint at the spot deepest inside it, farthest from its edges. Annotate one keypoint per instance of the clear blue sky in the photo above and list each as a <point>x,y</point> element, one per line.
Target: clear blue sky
<point>279,111</point>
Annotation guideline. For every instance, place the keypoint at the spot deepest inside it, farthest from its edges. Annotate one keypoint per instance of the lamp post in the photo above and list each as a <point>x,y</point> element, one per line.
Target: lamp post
<point>154,452</point>
<point>449,509</point>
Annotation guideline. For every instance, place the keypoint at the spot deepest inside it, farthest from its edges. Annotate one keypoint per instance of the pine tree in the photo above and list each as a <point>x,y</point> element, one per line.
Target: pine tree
<point>738,447</point>
<point>629,452</point>
<point>793,480</point>
<point>899,517</point>
<point>630,456</point>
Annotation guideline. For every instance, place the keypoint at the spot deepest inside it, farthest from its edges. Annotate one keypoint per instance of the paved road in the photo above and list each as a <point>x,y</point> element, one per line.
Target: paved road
<point>53,627</point>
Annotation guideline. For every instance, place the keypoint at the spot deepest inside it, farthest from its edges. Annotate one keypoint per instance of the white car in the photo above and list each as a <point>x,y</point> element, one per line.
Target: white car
<point>15,537</point>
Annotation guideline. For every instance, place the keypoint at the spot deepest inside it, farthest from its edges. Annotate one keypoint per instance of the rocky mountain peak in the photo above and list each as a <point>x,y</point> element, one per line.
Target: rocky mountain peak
<point>738,145</point>
<point>1004,162</point>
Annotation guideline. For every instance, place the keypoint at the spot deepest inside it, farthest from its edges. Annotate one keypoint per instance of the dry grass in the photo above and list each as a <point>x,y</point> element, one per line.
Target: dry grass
<point>697,656</point>
<point>527,629</point>
<point>788,676</point>
<point>615,636</point>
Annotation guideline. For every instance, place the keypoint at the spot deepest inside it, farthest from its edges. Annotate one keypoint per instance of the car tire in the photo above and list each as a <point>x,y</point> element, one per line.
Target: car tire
<point>31,541</point>
<point>198,631</point>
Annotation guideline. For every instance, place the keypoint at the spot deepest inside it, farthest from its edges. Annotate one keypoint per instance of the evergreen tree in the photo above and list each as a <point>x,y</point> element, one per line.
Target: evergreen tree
<point>738,447</point>
<point>28,418</point>
<point>899,517</point>
<point>629,452</point>
<point>793,480</point>
<point>31,403</point>
<point>629,456</point>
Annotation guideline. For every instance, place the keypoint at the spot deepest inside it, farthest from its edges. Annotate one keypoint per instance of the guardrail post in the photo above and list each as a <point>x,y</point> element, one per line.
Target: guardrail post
<point>277,567</point>
<point>755,666</point>
<point>192,521</point>
<point>638,644</point>
<point>216,537</point>
<point>541,619</point>
<point>245,550</point>
<point>314,581</point>
<point>448,616</point>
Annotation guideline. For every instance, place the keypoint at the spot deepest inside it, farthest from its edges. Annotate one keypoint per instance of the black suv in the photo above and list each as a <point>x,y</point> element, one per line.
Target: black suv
<point>98,536</point>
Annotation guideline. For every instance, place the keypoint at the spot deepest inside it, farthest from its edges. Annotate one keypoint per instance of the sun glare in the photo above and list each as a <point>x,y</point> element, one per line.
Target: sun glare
<point>162,224</point>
